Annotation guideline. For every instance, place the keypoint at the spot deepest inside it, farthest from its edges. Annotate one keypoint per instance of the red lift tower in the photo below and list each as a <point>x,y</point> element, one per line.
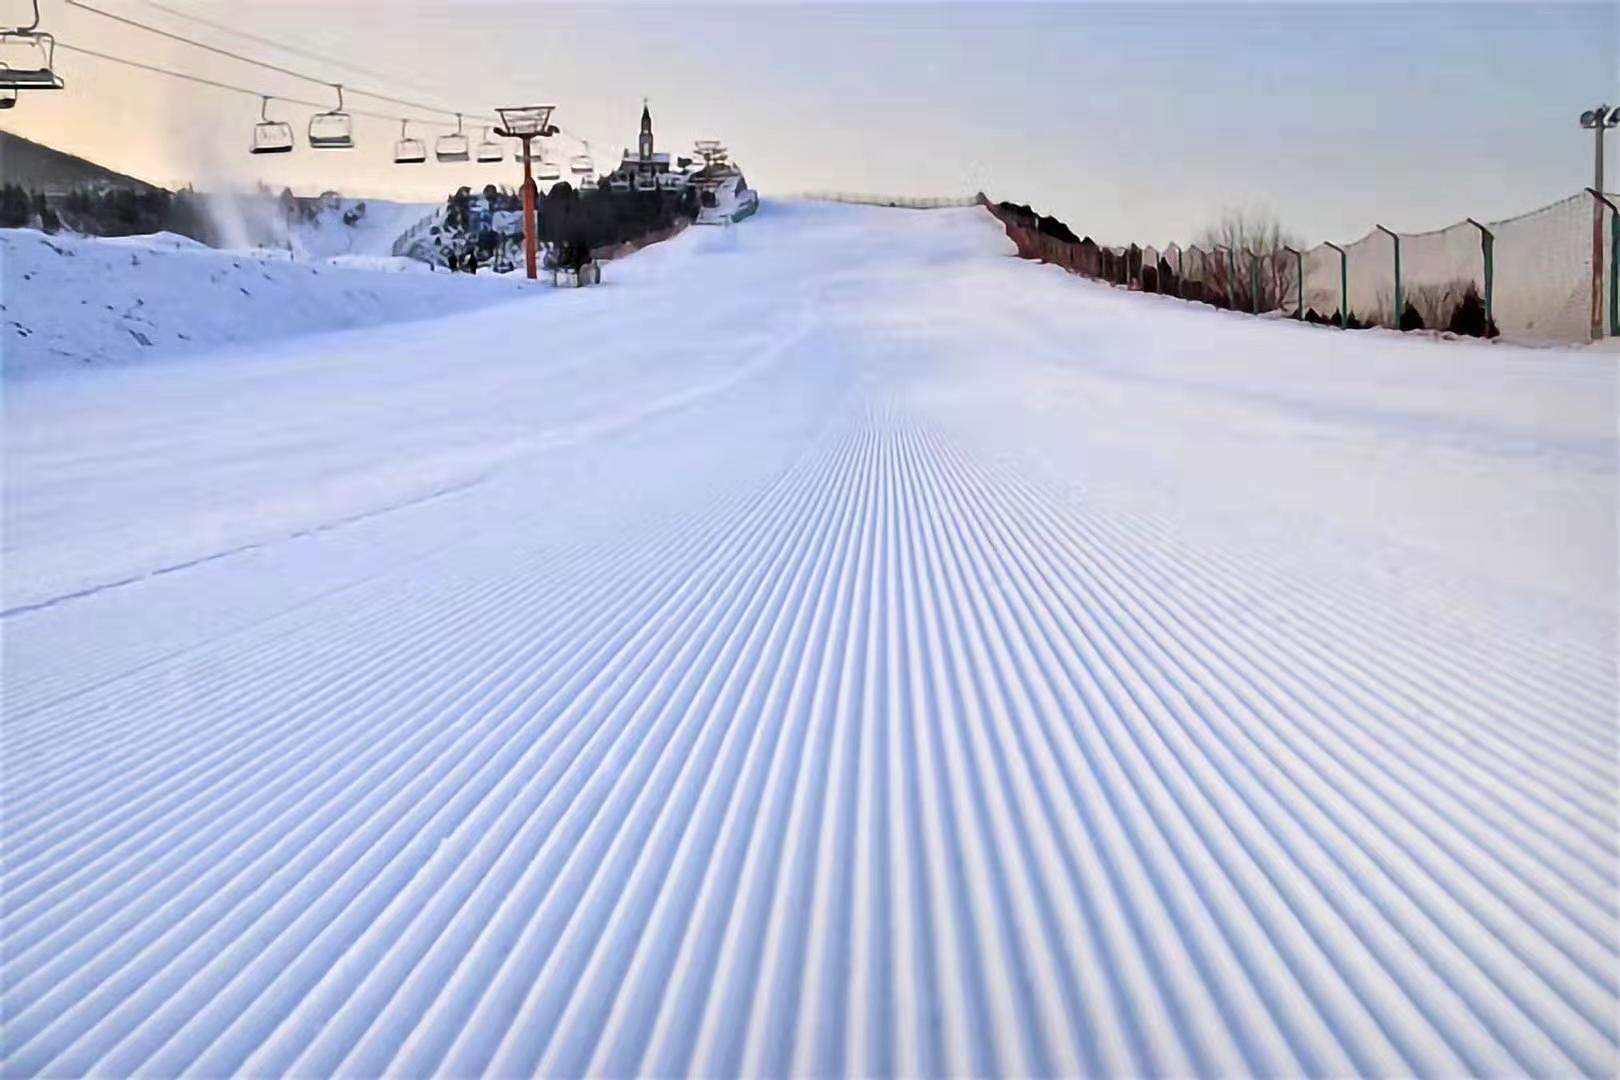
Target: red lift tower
<point>527,123</point>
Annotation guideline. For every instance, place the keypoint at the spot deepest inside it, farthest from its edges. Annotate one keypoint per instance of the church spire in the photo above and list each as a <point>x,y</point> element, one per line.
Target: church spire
<point>646,144</point>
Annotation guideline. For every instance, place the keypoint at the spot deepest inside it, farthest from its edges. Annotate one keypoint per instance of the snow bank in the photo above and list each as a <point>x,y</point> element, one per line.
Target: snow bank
<point>68,301</point>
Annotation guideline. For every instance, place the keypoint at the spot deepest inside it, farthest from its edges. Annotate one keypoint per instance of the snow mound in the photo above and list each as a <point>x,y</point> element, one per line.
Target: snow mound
<point>71,301</point>
<point>161,241</point>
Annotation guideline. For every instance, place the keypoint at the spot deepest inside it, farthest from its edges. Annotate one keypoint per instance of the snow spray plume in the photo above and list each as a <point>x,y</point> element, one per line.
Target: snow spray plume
<point>236,217</point>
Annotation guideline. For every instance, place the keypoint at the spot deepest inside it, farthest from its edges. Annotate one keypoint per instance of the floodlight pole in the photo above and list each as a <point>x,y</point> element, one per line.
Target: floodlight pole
<point>1614,258</point>
<point>1598,120</point>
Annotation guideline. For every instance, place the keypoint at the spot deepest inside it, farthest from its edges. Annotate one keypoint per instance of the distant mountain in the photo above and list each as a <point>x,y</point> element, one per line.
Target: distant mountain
<point>37,167</point>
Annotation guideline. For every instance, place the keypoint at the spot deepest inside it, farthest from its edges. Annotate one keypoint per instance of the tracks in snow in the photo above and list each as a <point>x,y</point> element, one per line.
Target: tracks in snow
<point>896,765</point>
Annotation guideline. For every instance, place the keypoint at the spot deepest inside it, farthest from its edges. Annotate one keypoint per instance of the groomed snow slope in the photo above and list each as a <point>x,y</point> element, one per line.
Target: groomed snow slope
<point>832,646</point>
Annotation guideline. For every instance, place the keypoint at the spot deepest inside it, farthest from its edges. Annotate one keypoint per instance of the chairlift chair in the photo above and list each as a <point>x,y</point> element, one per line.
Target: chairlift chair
<point>619,183</point>
<point>646,183</point>
<point>409,151</point>
<point>581,165</point>
<point>270,136</point>
<point>490,151</point>
<point>334,129</point>
<point>455,147</point>
<point>8,97</point>
<point>547,171</point>
<point>42,77</point>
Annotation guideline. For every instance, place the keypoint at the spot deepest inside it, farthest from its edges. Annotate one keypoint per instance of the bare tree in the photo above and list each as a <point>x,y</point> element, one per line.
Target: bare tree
<point>1254,232</point>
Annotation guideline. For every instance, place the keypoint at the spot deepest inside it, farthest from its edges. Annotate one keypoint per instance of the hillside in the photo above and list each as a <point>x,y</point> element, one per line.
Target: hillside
<point>38,167</point>
<point>832,646</point>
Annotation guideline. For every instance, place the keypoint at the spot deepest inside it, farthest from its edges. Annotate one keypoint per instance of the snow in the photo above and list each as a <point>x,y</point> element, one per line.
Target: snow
<point>67,301</point>
<point>377,227</point>
<point>831,646</point>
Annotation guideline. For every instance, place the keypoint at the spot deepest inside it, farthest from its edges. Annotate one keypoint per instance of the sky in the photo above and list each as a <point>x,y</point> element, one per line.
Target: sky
<point>1140,122</point>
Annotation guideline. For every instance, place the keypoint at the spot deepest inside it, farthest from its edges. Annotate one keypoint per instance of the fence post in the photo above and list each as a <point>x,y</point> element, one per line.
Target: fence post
<point>1614,261</point>
<point>1299,283</point>
<point>1254,282</point>
<point>1229,276</point>
<point>1399,307</point>
<point>1181,272</point>
<point>1344,285</point>
<point>1487,246</point>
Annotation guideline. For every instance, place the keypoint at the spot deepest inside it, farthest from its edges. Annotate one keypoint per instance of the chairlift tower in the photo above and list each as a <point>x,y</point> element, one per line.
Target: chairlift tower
<point>711,151</point>
<point>527,123</point>
<point>715,159</point>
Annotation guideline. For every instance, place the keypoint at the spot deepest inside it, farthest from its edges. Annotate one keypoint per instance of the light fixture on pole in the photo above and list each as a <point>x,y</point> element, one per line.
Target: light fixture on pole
<point>526,123</point>
<point>1598,121</point>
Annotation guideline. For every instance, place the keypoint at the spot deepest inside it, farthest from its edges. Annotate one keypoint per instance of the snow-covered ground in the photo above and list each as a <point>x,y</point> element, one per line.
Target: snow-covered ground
<point>832,646</point>
<point>68,302</point>
<point>360,227</point>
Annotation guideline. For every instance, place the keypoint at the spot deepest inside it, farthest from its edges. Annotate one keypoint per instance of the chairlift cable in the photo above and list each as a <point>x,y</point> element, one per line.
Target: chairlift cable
<point>277,45</point>
<point>232,87</point>
<point>265,64</point>
<point>249,91</point>
<point>268,66</point>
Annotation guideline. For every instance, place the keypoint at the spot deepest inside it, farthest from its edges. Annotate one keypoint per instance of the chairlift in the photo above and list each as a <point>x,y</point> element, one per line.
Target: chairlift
<point>332,130</point>
<point>270,136</point>
<point>619,183</point>
<point>42,77</point>
<point>8,97</point>
<point>581,164</point>
<point>646,182</point>
<point>547,171</point>
<point>490,150</point>
<point>454,147</point>
<point>409,151</point>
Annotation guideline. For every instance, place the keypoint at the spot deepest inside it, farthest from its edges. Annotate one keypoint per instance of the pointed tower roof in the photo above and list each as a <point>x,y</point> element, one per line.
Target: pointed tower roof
<point>646,118</point>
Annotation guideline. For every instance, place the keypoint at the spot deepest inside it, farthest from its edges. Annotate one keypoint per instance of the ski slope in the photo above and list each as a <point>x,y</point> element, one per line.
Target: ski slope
<point>831,646</point>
